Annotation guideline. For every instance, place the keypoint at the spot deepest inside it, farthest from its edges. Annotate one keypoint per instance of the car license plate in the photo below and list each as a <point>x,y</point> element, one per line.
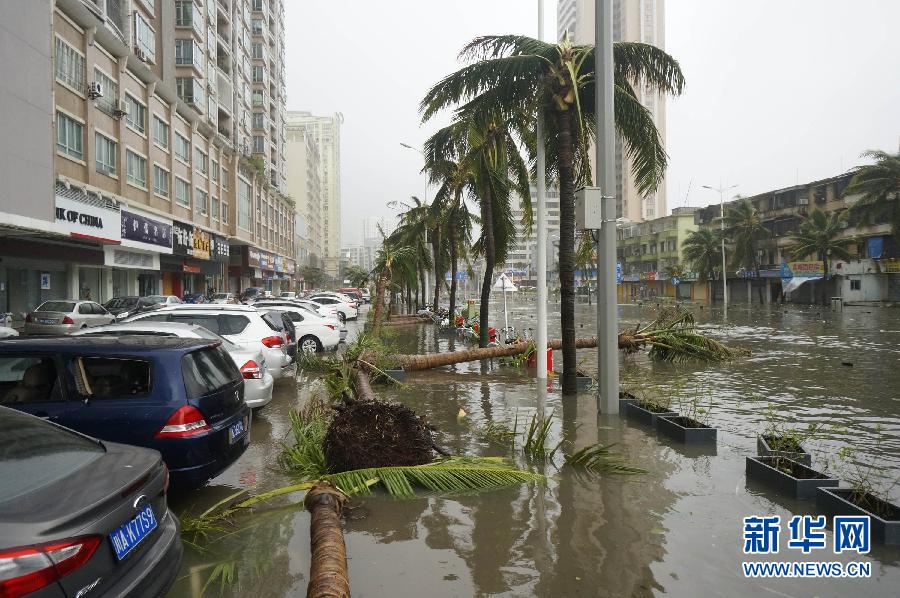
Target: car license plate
<point>236,430</point>
<point>129,535</point>
<point>47,322</point>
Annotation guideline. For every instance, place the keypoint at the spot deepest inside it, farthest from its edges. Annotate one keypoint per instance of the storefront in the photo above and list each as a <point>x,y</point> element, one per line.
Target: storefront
<point>136,262</point>
<point>198,262</point>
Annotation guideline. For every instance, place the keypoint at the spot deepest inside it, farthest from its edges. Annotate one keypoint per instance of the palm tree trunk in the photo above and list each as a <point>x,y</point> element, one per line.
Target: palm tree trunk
<point>379,302</point>
<point>487,226</point>
<point>438,265</point>
<point>412,363</point>
<point>328,563</point>
<point>453,266</point>
<point>565,149</point>
<point>824,279</point>
<point>408,298</point>
<point>422,285</point>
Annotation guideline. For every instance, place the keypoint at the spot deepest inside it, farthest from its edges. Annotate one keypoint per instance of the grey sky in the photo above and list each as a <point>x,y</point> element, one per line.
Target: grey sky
<point>775,88</point>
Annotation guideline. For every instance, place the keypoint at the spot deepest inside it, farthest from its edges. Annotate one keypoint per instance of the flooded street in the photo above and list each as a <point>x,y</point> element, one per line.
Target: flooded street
<point>674,531</point>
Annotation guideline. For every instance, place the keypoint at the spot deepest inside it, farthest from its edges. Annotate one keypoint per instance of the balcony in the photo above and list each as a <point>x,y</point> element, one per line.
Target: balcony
<point>225,90</point>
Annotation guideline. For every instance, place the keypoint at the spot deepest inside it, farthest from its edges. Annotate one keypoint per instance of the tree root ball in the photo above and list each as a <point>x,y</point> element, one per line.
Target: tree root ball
<point>367,434</point>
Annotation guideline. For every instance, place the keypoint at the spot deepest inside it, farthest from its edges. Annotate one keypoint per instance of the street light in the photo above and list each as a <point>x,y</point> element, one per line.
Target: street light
<point>722,191</point>
<point>424,200</point>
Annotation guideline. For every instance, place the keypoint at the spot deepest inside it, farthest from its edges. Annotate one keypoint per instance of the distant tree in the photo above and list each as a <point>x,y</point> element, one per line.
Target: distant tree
<point>743,227</point>
<point>313,277</point>
<point>703,251</point>
<point>819,236</point>
<point>356,275</point>
<point>879,184</point>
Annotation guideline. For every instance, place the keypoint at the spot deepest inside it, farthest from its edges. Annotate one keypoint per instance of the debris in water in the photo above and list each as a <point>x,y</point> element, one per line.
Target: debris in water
<point>847,363</point>
<point>462,412</point>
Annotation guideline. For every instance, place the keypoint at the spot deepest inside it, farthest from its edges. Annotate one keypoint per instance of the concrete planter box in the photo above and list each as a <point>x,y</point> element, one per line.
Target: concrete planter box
<point>686,430</point>
<point>635,411</point>
<point>800,484</point>
<point>885,529</point>
<point>764,450</point>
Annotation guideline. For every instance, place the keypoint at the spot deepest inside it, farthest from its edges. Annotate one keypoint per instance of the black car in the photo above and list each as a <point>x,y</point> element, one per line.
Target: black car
<point>81,517</point>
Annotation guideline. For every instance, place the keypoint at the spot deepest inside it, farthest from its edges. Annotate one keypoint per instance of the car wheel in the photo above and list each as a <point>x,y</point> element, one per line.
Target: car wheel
<point>83,326</point>
<point>342,317</point>
<point>310,344</point>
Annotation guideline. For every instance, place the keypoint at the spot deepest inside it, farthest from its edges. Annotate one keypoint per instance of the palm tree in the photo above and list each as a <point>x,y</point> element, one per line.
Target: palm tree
<point>743,227</point>
<point>703,251</point>
<point>490,169</point>
<point>384,263</point>
<point>357,276</point>
<point>879,184</point>
<point>412,231</point>
<point>517,77</point>
<point>819,235</point>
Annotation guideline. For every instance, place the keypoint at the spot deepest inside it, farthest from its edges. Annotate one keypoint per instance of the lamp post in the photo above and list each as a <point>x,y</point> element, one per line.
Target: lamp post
<point>540,340</point>
<point>722,191</point>
<point>424,200</point>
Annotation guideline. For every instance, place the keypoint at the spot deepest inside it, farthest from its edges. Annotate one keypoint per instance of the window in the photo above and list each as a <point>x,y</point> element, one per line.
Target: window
<point>160,181</point>
<point>243,204</point>
<point>182,192</point>
<point>111,377</point>
<point>208,371</point>
<point>259,144</point>
<point>70,68</point>
<point>188,52</point>
<point>259,74</point>
<point>259,120</point>
<point>29,379</point>
<point>106,152</point>
<point>69,136</point>
<point>214,208</point>
<point>106,103</point>
<point>135,169</point>
<point>214,171</point>
<point>148,4</point>
<point>200,199</point>
<point>182,148</point>
<point>225,179</point>
<point>187,15</point>
<point>144,37</point>
<point>257,26</point>
<point>160,132</point>
<point>855,285</point>
<point>201,161</point>
<point>190,91</point>
<point>258,50</point>
<point>135,115</point>
<point>258,98</point>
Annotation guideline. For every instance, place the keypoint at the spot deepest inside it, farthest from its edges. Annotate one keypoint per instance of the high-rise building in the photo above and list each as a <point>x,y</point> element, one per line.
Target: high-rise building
<point>374,226</point>
<point>304,185</point>
<point>165,124</point>
<point>633,21</point>
<point>523,254</point>
<point>326,131</point>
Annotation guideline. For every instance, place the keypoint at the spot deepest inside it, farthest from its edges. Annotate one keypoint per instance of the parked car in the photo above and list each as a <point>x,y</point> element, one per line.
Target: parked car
<point>220,298</point>
<point>241,324</point>
<point>194,298</point>
<point>327,313</point>
<point>122,307</point>
<point>353,293</point>
<point>282,323</point>
<point>7,332</point>
<point>345,306</point>
<point>164,300</point>
<point>251,362</point>
<point>63,317</point>
<point>313,333</point>
<point>288,295</point>
<point>252,293</point>
<point>366,294</point>
<point>182,397</point>
<point>81,516</point>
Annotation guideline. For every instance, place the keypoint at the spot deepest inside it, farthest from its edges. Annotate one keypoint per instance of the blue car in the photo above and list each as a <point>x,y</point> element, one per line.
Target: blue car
<point>182,397</point>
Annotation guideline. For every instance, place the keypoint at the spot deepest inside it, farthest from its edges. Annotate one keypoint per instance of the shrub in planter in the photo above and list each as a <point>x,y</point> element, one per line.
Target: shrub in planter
<point>647,412</point>
<point>788,476</point>
<point>686,429</point>
<point>884,516</point>
<point>625,398</point>
<point>768,445</point>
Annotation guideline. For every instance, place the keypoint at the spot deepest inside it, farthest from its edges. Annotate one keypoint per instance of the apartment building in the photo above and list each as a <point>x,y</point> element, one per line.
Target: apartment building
<point>304,185</point>
<point>164,128</point>
<point>326,132</point>
<point>522,257</point>
<point>634,21</point>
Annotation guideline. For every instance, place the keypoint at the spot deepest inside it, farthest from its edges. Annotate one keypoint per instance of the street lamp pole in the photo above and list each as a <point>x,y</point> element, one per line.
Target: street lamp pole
<point>722,191</point>
<point>540,346</point>
<point>424,200</point>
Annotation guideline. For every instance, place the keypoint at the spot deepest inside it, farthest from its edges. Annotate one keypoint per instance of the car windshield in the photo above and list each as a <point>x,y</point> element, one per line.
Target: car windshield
<point>120,302</point>
<point>157,298</point>
<point>220,296</point>
<point>63,306</point>
<point>35,453</point>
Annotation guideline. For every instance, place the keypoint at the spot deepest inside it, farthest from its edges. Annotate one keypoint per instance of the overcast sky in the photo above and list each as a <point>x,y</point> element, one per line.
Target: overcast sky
<point>777,90</point>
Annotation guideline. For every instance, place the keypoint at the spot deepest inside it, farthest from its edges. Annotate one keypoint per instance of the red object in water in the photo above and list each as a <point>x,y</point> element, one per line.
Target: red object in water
<point>492,335</point>
<point>460,320</point>
<point>532,360</point>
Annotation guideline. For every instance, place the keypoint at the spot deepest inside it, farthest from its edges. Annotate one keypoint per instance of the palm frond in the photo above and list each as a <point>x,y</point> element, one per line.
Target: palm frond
<point>457,474</point>
<point>305,458</point>
<point>598,458</point>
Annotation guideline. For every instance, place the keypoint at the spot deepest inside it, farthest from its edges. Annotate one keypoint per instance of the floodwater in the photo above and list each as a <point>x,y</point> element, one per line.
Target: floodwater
<point>675,531</point>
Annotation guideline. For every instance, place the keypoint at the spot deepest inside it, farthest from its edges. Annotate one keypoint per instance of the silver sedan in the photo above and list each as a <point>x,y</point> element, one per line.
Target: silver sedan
<point>63,317</point>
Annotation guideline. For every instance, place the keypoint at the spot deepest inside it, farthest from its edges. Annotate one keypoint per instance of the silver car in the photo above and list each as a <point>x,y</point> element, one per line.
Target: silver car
<point>65,316</point>
<point>258,382</point>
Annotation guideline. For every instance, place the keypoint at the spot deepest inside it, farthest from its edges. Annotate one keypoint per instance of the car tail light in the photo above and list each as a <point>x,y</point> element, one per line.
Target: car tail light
<point>68,320</point>
<point>273,341</point>
<point>28,319</point>
<point>251,371</point>
<point>26,570</point>
<point>186,421</point>
<point>331,326</point>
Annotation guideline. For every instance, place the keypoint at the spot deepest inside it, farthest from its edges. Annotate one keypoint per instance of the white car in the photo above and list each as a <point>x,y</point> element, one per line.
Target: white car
<point>241,324</point>
<point>326,312</point>
<point>313,332</point>
<point>288,295</point>
<point>367,295</point>
<point>223,298</point>
<point>345,306</point>
<point>251,362</point>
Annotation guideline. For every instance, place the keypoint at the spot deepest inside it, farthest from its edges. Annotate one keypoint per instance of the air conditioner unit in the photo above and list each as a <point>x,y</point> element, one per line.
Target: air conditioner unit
<point>95,90</point>
<point>141,55</point>
<point>121,109</point>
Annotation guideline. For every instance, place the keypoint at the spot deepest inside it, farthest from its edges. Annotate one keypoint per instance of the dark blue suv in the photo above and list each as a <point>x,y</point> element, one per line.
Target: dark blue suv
<point>182,397</point>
